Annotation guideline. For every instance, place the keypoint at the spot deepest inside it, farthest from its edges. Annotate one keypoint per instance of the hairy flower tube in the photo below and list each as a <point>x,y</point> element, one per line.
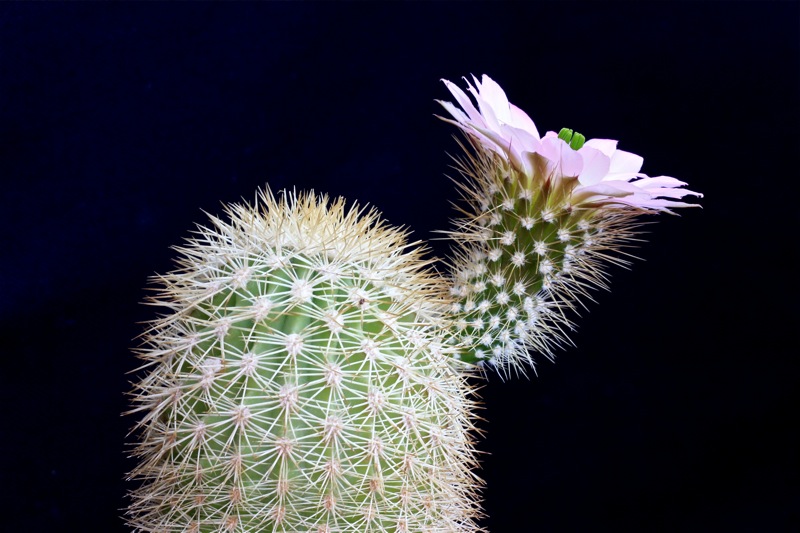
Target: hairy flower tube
<point>546,216</point>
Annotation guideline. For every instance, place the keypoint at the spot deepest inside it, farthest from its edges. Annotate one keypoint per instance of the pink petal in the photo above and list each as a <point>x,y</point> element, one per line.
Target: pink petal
<point>566,161</point>
<point>472,129</point>
<point>660,205</point>
<point>595,165</point>
<point>488,114</point>
<point>607,146</point>
<point>522,139</point>
<point>514,155</point>
<point>519,119</point>
<point>623,162</point>
<point>550,146</point>
<point>455,112</point>
<point>664,186</point>
<point>494,95</point>
<point>658,181</point>
<point>464,101</point>
<point>617,190</point>
<point>670,193</point>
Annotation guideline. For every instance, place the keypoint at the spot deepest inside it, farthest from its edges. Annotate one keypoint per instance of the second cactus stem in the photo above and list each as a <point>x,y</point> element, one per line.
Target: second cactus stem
<point>525,256</point>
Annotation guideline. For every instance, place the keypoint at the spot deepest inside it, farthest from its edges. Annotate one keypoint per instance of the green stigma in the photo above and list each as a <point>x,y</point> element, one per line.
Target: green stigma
<point>573,138</point>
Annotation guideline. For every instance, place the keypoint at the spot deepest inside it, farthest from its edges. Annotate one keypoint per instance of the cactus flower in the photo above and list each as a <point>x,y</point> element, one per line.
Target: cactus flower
<point>549,214</point>
<point>606,176</point>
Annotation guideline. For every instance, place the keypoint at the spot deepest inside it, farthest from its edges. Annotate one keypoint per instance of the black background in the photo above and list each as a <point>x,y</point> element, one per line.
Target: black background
<point>119,123</point>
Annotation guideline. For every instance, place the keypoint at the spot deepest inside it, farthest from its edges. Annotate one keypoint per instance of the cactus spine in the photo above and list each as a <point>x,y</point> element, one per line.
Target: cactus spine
<point>300,382</point>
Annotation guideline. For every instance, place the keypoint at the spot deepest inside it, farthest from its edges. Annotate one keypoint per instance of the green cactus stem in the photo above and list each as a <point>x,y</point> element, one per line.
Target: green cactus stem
<point>299,382</point>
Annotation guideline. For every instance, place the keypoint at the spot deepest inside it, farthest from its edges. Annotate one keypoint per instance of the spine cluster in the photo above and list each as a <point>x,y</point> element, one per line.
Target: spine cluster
<point>525,259</point>
<point>300,382</point>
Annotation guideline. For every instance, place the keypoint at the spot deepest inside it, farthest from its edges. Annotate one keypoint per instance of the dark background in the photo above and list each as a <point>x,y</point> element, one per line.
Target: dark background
<point>119,123</point>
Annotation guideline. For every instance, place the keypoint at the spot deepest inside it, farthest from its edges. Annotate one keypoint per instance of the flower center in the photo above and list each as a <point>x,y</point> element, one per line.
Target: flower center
<point>574,139</point>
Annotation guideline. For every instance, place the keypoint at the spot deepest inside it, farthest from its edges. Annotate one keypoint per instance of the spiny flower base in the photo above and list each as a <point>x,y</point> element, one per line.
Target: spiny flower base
<point>299,383</point>
<point>527,256</point>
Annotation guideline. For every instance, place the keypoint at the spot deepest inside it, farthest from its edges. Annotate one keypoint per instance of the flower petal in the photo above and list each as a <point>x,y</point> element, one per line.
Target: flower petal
<point>456,113</point>
<point>625,162</point>
<point>520,120</point>
<point>523,140</point>
<point>512,152</point>
<point>493,94</point>
<point>464,101</point>
<point>607,146</point>
<point>564,159</point>
<point>658,181</point>
<point>595,165</point>
<point>651,203</point>
<point>487,112</point>
<point>604,190</point>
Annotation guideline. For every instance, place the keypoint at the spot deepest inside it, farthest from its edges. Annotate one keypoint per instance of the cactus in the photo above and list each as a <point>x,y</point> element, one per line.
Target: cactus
<point>526,259</point>
<point>312,372</point>
<point>544,218</point>
<point>300,382</point>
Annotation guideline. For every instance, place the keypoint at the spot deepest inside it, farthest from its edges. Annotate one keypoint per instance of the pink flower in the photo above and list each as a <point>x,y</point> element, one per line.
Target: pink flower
<point>606,176</point>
